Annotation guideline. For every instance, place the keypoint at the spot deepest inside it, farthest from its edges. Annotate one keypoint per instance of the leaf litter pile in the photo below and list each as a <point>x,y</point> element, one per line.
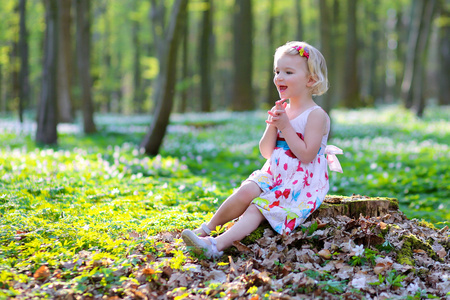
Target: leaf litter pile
<point>387,257</point>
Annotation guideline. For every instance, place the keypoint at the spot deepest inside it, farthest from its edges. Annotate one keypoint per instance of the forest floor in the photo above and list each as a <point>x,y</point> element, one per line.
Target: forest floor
<point>94,218</point>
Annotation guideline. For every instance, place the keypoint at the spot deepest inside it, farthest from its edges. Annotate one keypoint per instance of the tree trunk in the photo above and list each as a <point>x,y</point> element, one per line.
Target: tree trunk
<point>400,52</point>
<point>15,68</point>
<point>205,58</point>
<point>325,41</point>
<point>272,93</point>
<point>138,98</point>
<point>444,57</point>
<point>419,96</point>
<point>64,87</point>
<point>84,64</point>
<point>351,95</point>
<point>166,80</point>
<point>354,206</point>
<point>373,82</point>
<point>298,12</point>
<point>24,82</point>
<point>185,66</point>
<point>412,59</point>
<point>242,92</point>
<point>336,63</point>
<point>47,112</point>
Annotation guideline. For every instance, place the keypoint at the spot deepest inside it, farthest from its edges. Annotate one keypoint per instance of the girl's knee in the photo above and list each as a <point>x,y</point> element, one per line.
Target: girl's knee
<point>253,209</point>
<point>249,189</point>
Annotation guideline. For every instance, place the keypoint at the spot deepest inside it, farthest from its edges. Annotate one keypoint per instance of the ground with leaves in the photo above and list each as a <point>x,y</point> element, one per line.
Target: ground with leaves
<point>387,257</point>
<point>95,218</point>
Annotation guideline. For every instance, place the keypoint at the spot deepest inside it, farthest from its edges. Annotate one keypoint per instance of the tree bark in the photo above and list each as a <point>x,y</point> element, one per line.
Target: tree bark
<point>166,80</point>
<point>325,41</point>
<point>84,63</point>
<point>242,92</point>
<point>351,94</point>
<point>138,97</point>
<point>354,206</point>
<point>24,82</point>
<point>64,81</point>
<point>205,59</point>
<point>419,96</point>
<point>272,93</point>
<point>298,12</point>
<point>444,57</point>
<point>47,112</point>
<point>411,55</point>
<point>373,82</point>
<point>185,66</point>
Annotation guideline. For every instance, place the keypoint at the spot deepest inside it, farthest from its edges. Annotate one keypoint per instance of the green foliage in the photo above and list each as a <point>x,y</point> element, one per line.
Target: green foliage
<point>98,199</point>
<point>394,279</point>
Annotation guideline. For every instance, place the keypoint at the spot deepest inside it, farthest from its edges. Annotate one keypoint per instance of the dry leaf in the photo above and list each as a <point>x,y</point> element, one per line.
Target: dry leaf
<point>229,225</point>
<point>42,273</point>
<point>381,267</point>
<point>216,276</point>
<point>324,253</point>
<point>383,225</point>
<point>233,268</point>
<point>419,251</point>
<point>148,271</point>
<point>241,247</point>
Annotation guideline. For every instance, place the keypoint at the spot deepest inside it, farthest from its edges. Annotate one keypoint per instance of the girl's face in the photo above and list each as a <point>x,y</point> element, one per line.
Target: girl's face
<point>291,77</point>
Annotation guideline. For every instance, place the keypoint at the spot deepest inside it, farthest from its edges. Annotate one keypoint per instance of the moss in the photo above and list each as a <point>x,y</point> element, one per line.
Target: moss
<point>411,242</point>
<point>424,223</point>
<point>393,203</point>
<point>255,235</point>
<point>422,272</point>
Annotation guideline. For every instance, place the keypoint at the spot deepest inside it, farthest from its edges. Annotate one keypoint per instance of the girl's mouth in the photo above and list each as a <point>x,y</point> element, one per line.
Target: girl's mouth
<point>282,88</point>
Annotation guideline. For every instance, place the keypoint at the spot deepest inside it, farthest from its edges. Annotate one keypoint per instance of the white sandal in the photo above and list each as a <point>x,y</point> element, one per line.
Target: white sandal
<point>206,229</point>
<point>200,246</point>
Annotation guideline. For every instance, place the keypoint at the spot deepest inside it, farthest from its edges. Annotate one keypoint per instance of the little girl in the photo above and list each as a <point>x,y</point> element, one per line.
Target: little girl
<point>294,180</point>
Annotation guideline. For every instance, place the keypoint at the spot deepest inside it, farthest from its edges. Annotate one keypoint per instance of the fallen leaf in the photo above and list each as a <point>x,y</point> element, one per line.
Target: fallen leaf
<point>324,253</point>
<point>383,225</point>
<point>148,271</point>
<point>419,251</point>
<point>229,225</point>
<point>381,267</point>
<point>241,247</point>
<point>233,268</point>
<point>42,273</point>
<point>216,276</point>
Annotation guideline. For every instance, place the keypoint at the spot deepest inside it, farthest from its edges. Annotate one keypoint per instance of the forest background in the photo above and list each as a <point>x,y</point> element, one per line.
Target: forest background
<point>60,57</point>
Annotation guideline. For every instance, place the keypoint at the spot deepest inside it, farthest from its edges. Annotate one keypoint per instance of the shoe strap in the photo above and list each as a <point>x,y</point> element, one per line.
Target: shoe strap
<point>206,229</point>
<point>213,245</point>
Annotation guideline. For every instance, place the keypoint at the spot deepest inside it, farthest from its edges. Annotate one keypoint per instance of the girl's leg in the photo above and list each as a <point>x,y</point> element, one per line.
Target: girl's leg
<point>246,225</point>
<point>234,206</point>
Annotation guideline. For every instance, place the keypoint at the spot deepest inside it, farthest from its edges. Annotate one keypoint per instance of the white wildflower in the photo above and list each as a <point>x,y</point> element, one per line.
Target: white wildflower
<point>359,250</point>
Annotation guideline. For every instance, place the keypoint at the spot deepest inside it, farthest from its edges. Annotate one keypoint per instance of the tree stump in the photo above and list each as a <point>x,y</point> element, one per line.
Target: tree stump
<point>354,206</point>
<point>334,206</point>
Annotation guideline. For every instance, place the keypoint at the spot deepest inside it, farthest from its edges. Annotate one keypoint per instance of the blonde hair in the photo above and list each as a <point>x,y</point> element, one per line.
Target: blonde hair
<point>316,64</point>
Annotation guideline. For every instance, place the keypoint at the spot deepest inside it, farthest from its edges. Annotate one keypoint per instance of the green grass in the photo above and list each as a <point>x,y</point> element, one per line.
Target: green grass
<point>100,194</point>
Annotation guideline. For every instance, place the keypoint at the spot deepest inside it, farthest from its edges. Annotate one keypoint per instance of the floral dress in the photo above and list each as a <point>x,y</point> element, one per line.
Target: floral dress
<point>292,190</point>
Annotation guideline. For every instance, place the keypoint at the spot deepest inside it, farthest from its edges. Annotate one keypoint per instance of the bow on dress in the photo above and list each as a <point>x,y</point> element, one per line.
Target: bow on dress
<point>332,160</point>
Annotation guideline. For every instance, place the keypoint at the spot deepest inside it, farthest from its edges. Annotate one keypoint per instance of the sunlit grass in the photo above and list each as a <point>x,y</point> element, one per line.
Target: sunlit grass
<point>100,193</point>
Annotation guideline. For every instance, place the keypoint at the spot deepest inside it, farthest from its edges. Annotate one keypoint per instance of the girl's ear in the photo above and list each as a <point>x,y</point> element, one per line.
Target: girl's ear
<point>311,81</point>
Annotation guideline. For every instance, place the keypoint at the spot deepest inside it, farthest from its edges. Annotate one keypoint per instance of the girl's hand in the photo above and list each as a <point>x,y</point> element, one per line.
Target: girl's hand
<point>277,115</point>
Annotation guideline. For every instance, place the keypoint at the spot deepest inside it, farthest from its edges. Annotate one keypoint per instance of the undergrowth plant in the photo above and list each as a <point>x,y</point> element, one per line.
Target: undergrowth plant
<point>83,208</point>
